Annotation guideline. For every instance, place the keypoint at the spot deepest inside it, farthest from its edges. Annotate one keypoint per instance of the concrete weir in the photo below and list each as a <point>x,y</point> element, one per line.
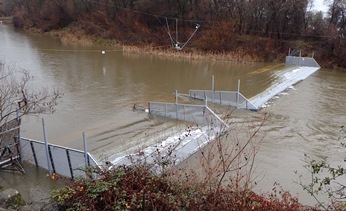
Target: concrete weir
<point>181,145</point>
<point>299,69</point>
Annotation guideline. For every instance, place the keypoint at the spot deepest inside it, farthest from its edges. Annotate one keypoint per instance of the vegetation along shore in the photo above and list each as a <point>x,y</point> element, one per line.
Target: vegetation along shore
<point>235,31</point>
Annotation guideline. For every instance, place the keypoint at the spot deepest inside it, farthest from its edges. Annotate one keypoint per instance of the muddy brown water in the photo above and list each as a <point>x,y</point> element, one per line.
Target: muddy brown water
<point>101,89</point>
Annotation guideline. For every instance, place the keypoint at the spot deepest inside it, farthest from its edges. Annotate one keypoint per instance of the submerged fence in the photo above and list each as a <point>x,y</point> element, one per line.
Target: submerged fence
<point>199,114</point>
<point>63,161</point>
<point>230,98</point>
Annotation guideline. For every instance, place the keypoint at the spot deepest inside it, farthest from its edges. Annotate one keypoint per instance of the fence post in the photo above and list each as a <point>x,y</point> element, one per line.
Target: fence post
<point>238,92</point>
<point>204,112</point>
<point>46,146</point>
<point>165,109</point>
<point>212,89</point>
<point>184,112</point>
<point>220,98</point>
<point>289,51</point>
<point>176,104</point>
<point>85,150</point>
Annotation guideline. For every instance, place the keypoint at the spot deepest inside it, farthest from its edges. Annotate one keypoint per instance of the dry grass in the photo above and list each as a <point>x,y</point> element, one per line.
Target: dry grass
<point>234,57</point>
<point>75,39</point>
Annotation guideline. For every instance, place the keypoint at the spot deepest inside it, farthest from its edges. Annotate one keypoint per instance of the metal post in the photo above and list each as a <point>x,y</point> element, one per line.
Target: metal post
<point>184,112</point>
<point>313,54</point>
<point>33,153</point>
<point>300,53</point>
<point>176,104</point>
<point>19,139</point>
<point>85,150</point>
<point>69,163</point>
<point>289,51</point>
<point>165,109</point>
<point>220,98</point>
<point>204,111</point>
<point>46,146</point>
<point>212,89</point>
<point>238,92</point>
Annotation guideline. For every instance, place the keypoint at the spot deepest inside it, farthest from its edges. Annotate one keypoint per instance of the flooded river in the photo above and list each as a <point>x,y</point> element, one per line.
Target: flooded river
<point>101,89</point>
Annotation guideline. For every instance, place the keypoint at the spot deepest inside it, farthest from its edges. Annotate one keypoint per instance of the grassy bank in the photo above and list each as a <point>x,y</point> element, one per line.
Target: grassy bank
<point>73,36</point>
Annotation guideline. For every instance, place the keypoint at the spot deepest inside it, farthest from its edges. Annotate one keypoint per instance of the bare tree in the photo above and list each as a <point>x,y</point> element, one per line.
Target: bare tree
<point>19,97</point>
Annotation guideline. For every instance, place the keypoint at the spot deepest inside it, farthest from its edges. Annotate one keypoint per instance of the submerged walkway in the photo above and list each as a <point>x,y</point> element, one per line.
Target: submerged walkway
<point>171,151</point>
<point>181,145</point>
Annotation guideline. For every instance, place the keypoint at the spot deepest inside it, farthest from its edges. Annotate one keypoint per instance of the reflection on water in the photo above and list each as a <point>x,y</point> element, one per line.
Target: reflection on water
<point>35,185</point>
<point>101,89</point>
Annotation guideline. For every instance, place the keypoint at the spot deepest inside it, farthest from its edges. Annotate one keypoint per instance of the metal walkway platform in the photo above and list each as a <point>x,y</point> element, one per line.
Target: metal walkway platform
<point>297,69</point>
<point>292,78</point>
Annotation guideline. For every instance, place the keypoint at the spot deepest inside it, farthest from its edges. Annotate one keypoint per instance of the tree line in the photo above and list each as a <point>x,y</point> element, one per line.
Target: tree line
<point>226,25</point>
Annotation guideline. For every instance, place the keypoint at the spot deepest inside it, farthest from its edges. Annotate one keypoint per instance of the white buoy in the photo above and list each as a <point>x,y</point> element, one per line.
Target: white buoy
<point>103,52</point>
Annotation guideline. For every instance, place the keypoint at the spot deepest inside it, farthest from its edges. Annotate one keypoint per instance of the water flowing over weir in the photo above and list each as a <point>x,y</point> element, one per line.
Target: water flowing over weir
<point>297,69</point>
<point>183,144</point>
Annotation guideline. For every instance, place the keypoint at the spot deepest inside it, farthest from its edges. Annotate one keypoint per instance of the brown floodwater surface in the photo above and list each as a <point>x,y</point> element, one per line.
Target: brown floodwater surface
<point>101,89</point>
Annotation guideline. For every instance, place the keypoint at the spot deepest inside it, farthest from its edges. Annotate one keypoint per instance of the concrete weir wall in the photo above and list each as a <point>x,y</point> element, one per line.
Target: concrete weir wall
<point>299,68</point>
<point>183,144</point>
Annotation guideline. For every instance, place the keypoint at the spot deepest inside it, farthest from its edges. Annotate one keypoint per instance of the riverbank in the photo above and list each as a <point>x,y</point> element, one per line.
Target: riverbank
<point>6,20</point>
<point>72,36</point>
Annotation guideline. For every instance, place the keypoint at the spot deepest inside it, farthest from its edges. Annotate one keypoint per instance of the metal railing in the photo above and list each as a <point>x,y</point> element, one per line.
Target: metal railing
<point>64,161</point>
<point>301,61</point>
<point>199,114</point>
<point>231,98</point>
